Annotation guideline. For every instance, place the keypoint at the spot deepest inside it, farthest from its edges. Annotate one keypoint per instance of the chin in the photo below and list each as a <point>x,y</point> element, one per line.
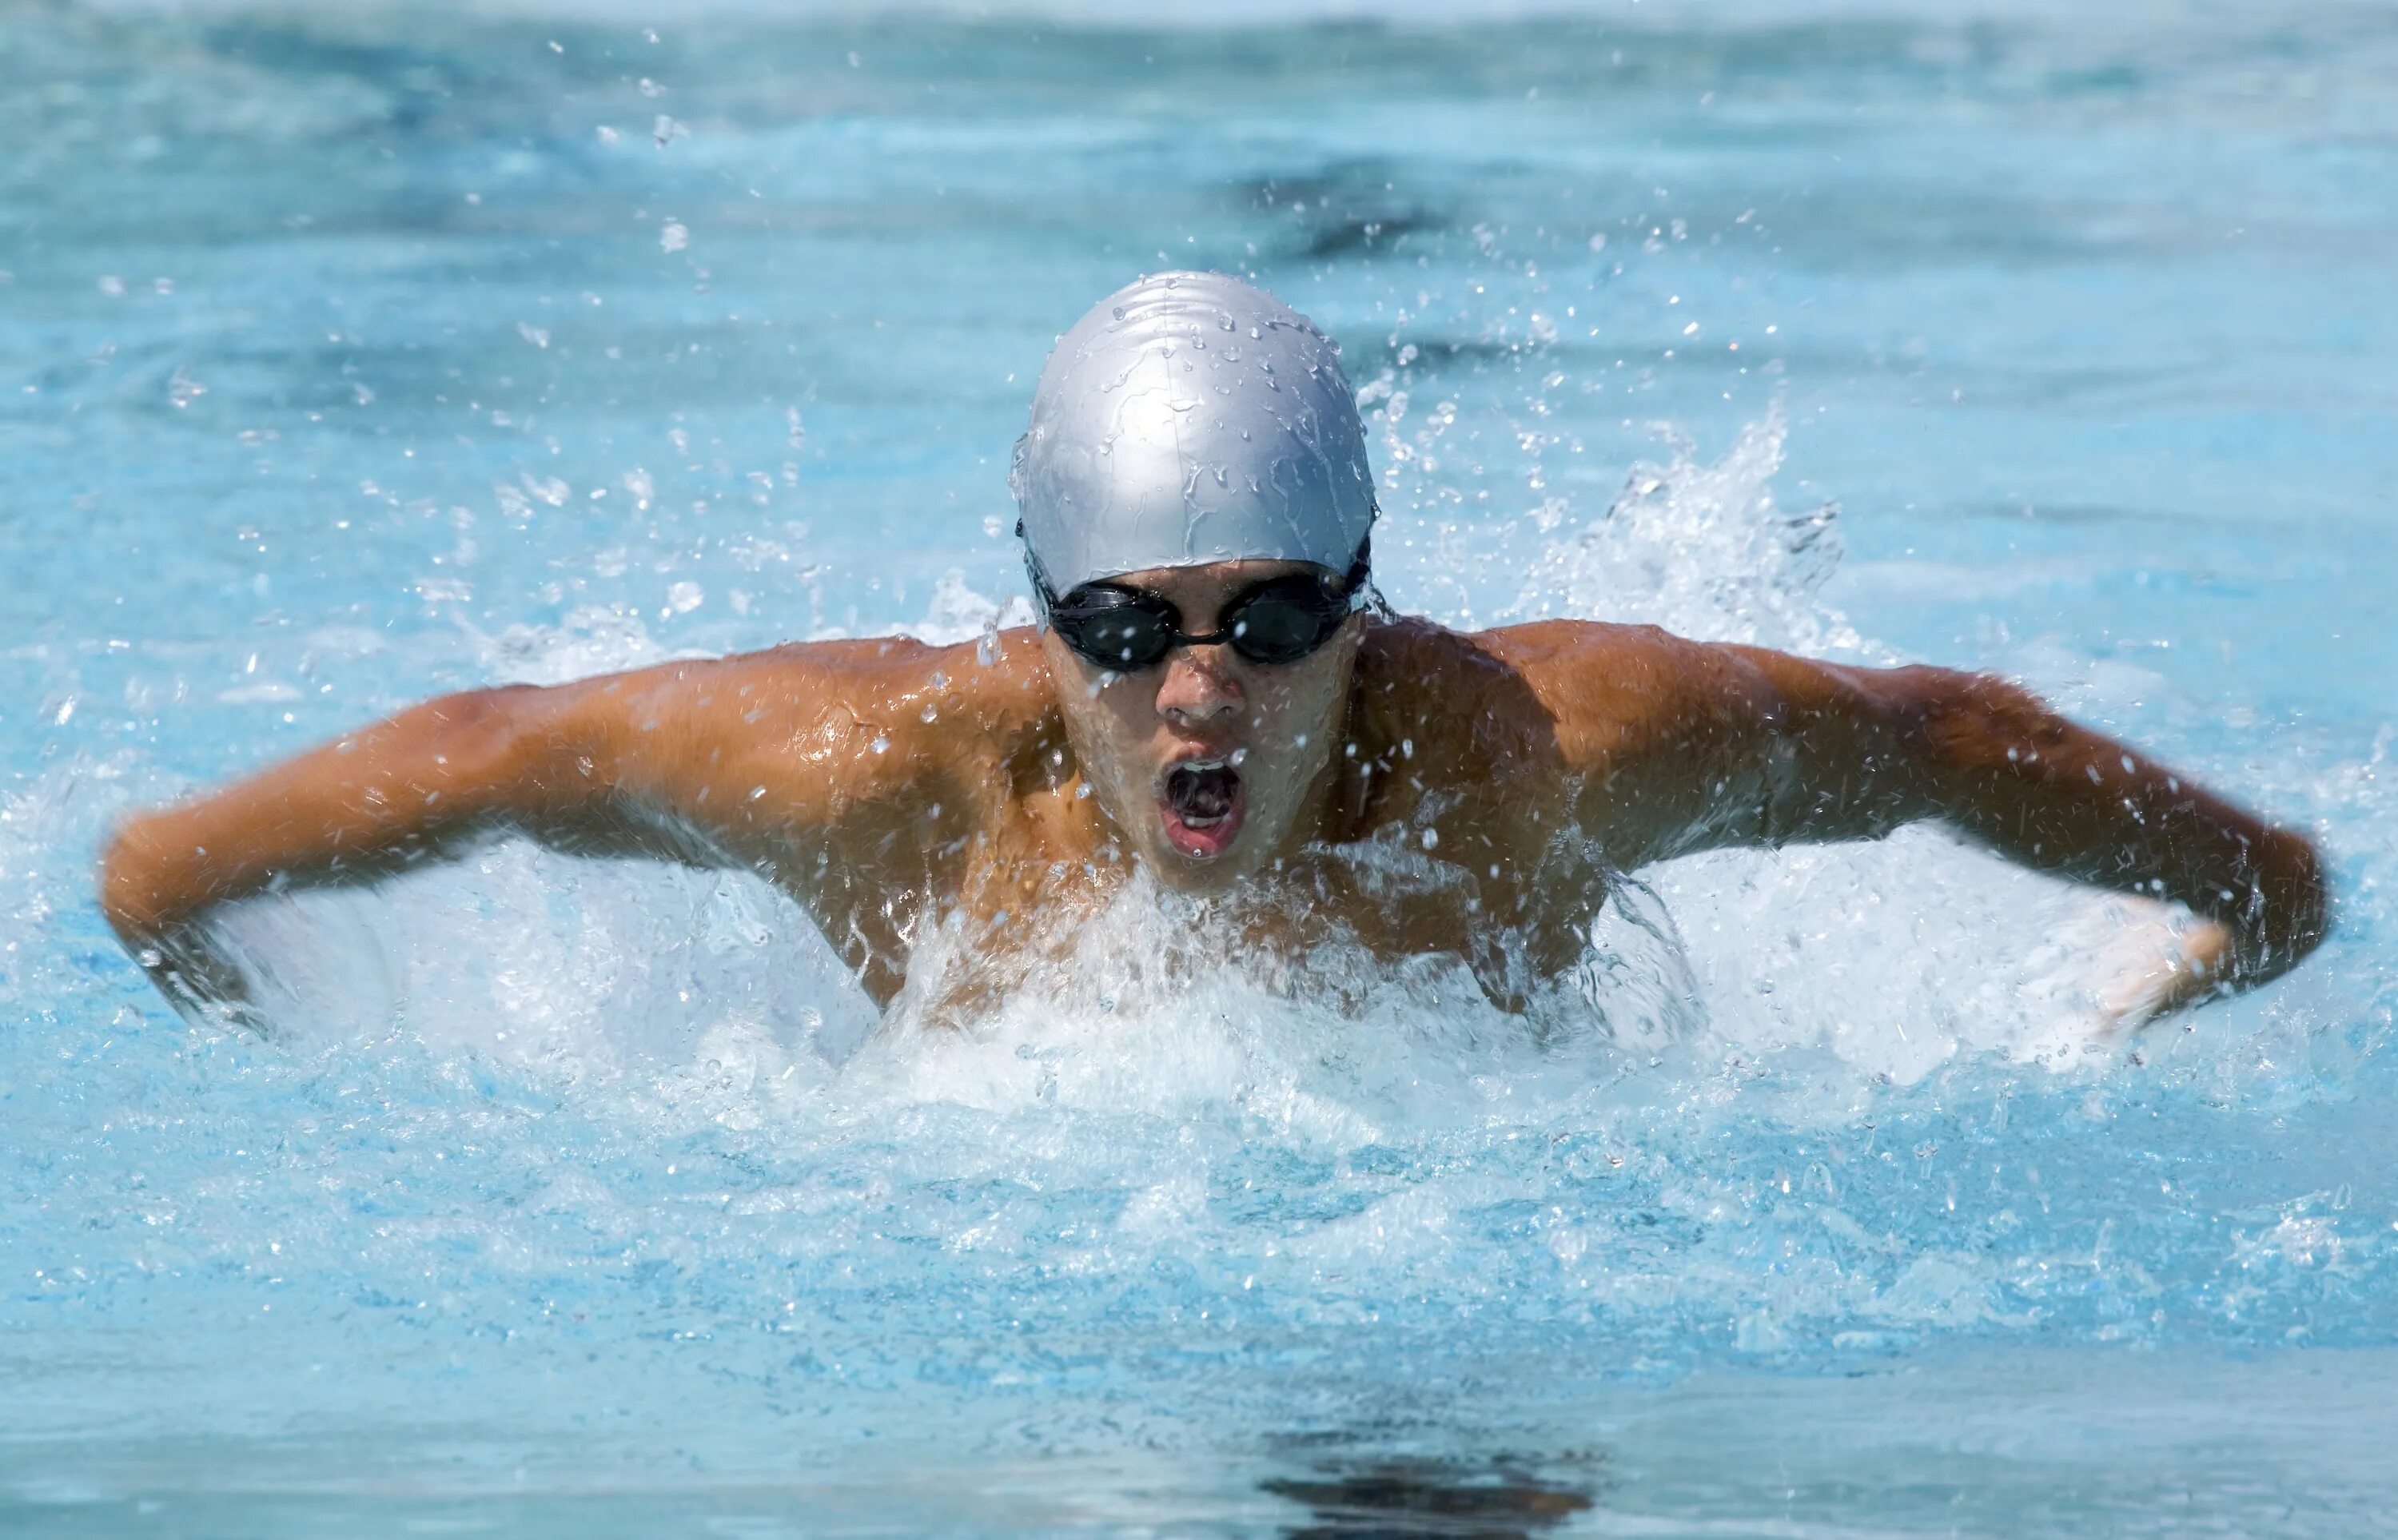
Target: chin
<point>1214,872</point>
<point>1192,873</point>
<point>1180,875</point>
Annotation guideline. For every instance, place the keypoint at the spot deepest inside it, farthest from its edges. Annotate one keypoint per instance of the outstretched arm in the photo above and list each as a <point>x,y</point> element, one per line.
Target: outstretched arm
<point>659,762</point>
<point>1696,746</point>
<point>371,803</point>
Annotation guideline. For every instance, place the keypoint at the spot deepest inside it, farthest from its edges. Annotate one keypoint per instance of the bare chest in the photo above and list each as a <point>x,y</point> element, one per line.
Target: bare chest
<point>988,909</point>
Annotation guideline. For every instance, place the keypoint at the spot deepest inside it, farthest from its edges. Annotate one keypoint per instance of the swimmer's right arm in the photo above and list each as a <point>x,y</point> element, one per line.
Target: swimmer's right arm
<point>665,762</point>
<point>371,803</point>
<point>365,805</point>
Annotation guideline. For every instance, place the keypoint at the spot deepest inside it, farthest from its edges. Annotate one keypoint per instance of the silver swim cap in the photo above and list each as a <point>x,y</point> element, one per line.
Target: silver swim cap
<point>1189,418</point>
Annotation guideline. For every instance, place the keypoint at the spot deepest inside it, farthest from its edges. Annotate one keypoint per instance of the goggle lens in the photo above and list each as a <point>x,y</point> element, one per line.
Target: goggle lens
<point>1128,630</point>
<point>1123,637</point>
<point>1282,628</point>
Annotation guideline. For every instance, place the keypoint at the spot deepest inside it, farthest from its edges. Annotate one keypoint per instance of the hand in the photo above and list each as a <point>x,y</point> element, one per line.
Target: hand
<point>2165,959</point>
<point>180,955</point>
<point>204,985</point>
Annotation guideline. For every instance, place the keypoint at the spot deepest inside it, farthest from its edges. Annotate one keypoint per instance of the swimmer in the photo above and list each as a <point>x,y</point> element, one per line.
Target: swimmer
<point>1213,696</point>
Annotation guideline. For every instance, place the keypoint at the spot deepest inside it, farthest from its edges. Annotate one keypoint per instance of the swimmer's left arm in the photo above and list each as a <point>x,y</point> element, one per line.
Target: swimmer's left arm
<point>1993,761</point>
<point>1696,746</point>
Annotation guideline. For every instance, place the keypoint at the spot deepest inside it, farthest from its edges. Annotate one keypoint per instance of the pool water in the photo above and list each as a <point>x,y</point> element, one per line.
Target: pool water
<point>351,355</point>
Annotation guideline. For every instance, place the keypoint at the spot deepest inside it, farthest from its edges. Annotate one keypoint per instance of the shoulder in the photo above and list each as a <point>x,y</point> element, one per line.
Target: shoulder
<point>1555,649</point>
<point>870,715</point>
<point>887,680</point>
<point>1569,697</point>
<point>1467,697</point>
<point>1574,676</point>
<point>1611,683</point>
<point>1534,648</point>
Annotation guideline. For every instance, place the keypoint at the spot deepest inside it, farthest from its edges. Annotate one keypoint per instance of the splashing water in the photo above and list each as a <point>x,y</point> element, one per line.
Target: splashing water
<point>1702,551</point>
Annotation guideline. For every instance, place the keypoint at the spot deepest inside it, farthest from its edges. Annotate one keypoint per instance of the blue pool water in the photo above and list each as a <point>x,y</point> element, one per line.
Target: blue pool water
<point>351,358</point>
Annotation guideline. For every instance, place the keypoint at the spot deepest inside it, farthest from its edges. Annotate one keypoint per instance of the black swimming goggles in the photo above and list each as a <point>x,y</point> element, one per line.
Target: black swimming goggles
<point>1280,620</point>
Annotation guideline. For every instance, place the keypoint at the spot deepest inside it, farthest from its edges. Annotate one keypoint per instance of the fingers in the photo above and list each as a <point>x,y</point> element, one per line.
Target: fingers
<point>203,983</point>
<point>2167,962</point>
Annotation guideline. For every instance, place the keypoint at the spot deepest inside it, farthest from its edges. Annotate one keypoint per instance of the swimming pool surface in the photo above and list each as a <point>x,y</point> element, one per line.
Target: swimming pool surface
<point>354,353</point>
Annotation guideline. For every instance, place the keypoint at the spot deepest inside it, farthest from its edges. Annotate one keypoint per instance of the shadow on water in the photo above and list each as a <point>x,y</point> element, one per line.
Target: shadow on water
<point>1403,1498</point>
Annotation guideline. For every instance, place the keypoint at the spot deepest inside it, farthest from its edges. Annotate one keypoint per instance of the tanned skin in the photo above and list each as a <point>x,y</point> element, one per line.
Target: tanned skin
<point>883,781</point>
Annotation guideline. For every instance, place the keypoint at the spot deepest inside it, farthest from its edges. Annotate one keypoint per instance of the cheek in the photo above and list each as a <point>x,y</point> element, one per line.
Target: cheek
<point>1110,730</point>
<point>1099,716</point>
<point>1126,712</point>
<point>1311,690</point>
<point>1287,709</point>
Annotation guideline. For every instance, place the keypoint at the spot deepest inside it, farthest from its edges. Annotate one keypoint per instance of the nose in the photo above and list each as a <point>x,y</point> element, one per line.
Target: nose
<point>1198,686</point>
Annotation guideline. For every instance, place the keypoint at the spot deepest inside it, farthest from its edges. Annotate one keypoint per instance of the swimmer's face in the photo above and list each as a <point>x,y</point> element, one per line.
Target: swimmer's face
<point>1211,765</point>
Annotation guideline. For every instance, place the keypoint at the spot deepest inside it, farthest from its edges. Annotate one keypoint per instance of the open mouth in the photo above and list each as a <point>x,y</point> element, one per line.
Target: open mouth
<point>1201,805</point>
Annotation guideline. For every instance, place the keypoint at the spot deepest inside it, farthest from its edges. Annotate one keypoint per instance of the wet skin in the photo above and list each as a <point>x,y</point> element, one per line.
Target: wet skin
<point>884,782</point>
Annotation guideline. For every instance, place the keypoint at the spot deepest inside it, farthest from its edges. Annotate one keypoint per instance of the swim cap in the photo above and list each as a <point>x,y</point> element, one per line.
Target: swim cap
<point>1189,418</point>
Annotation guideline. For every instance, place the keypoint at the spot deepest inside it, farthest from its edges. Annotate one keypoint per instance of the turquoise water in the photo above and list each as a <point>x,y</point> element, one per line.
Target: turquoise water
<point>350,358</point>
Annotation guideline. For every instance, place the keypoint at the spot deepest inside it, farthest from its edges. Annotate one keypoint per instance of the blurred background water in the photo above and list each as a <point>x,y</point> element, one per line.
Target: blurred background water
<point>354,353</point>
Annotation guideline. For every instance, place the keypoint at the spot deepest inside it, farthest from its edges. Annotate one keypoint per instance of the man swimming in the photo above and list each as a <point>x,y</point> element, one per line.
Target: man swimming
<point>1213,699</point>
